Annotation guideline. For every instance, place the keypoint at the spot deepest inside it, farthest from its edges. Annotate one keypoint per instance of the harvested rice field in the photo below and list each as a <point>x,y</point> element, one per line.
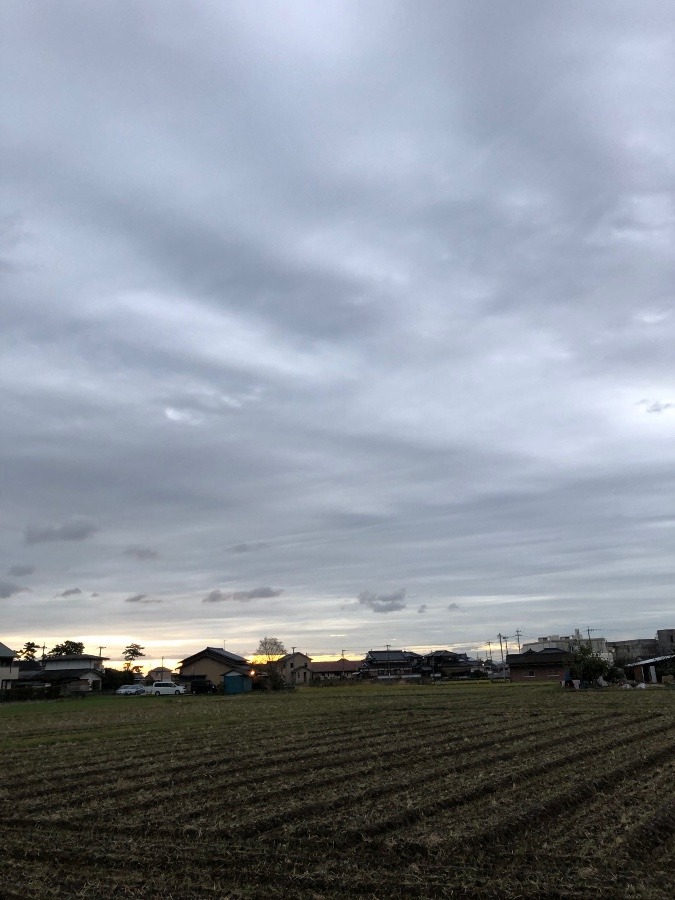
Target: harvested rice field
<point>468,790</point>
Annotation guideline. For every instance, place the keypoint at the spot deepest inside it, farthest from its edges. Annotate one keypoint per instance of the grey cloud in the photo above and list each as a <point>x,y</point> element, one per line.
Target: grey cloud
<point>453,607</point>
<point>216,596</point>
<point>141,598</point>
<point>19,571</point>
<point>141,553</point>
<point>259,593</point>
<point>252,547</point>
<point>7,589</point>
<point>75,530</point>
<point>383,603</point>
<point>70,592</point>
<point>422,609</point>
<point>345,339</point>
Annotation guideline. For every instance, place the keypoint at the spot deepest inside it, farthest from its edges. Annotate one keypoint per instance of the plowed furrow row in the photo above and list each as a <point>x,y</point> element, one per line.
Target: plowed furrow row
<point>409,807</point>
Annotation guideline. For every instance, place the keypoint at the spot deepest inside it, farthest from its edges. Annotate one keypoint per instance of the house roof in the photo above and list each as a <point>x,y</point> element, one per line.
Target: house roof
<point>69,657</point>
<point>391,656</point>
<point>29,665</point>
<point>543,658</point>
<point>336,666</point>
<point>650,662</point>
<point>5,651</point>
<point>58,674</point>
<point>218,654</point>
<point>288,656</point>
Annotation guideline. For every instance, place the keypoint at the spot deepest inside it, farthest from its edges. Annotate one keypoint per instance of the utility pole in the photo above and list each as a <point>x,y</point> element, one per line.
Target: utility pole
<point>44,647</point>
<point>293,664</point>
<point>590,642</point>
<point>388,661</point>
<point>489,643</point>
<point>519,634</point>
<point>343,664</point>
<point>506,642</point>
<point>100,656</point>
<point>501,649</point>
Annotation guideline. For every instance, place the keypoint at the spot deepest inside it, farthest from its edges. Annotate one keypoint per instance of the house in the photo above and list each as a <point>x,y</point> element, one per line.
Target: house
<point>446,664</point>
<point>391,665</point>
<point>211,664</point>
<point>546,665</point>
<point>9,667</point>
<point>335,670</point>
<point>75,673</point>
<point>294,668</point>
<point>159,673</point>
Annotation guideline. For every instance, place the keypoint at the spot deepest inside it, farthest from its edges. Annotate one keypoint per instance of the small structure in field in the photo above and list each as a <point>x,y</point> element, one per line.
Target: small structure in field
<point>237,683</point>
<point>652,671</point>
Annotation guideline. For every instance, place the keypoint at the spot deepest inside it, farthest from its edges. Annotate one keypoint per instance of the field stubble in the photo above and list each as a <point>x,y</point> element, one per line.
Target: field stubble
<point>459,791</point>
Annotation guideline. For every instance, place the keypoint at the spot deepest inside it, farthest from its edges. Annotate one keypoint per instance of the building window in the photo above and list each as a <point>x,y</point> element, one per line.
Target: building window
<point>529,673</point>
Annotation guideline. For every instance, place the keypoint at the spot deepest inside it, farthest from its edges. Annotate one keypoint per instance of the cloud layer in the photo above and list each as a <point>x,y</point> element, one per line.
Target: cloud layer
<point>343,298</point>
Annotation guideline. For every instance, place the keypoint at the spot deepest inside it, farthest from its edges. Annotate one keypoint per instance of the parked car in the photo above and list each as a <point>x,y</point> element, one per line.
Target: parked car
<point>166,687</point>
<point>130,690</point>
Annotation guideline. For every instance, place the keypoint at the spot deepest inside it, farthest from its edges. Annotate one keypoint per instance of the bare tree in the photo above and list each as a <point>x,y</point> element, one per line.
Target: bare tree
<point>271,648</point>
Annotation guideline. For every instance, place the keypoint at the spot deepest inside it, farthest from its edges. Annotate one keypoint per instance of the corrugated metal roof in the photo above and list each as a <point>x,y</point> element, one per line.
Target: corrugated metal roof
<point>649,662</point>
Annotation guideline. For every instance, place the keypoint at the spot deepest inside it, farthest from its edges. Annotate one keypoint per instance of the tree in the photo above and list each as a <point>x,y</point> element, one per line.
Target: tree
<point>130,654</point>
<point>271,648</point>
<point>586,665</point>
<point>67,648</point>
<point>114,678</point>
<point>29,649</point>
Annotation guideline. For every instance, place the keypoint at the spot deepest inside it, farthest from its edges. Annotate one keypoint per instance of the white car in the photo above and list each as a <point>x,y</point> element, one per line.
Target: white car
<point>166,687</point>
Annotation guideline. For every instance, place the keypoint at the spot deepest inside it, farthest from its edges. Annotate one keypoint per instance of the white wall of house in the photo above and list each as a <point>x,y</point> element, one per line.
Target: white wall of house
<point>9,668</point>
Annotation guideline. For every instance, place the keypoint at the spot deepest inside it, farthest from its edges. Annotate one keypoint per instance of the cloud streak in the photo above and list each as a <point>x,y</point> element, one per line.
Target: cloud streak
<point>75,530</point>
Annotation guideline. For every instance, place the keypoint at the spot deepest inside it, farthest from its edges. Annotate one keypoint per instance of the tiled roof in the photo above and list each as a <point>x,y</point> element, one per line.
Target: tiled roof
<point>218,654</point>
<point>532,658</point>
<point>57,674</point>
<point>336,666</point>
<point>392,655</point>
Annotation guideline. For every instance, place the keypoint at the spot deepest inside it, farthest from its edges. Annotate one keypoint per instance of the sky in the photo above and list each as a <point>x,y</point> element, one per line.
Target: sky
<point>347,323</point>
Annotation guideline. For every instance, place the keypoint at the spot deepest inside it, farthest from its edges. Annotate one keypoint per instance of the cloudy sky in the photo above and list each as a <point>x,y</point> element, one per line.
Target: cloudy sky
<point>349,323</point>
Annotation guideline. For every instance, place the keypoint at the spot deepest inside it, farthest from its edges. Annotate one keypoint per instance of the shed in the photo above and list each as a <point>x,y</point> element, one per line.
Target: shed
<point>237,683</point>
